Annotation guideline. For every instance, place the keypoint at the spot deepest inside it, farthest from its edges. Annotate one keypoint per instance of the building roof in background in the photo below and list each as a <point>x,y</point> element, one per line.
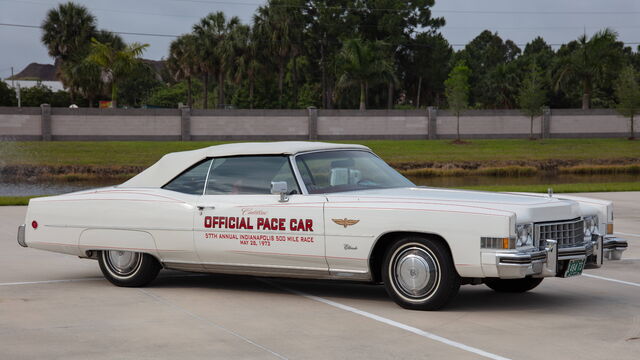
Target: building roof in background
<point>34,71</point>
<point>47,72</point>
<point>156,65</point>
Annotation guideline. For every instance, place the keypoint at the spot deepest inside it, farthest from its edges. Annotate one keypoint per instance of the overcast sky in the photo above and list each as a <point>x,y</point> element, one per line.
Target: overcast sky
<point>557,21</point>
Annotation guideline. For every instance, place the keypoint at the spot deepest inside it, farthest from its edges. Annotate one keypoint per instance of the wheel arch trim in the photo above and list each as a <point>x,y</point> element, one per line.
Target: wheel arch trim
<point>96,239</point>
<point>384,240</point>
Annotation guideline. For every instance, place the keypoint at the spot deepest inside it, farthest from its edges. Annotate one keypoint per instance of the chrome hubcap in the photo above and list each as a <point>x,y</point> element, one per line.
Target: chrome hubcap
<point>416,272</point>
<point>123,263</point>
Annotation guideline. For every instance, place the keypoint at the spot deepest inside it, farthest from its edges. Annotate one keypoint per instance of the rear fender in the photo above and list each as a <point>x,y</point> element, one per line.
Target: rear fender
<point>113,239</point>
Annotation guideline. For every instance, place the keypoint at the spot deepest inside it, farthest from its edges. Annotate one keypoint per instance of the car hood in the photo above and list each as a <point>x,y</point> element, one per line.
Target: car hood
<point>527,208</point>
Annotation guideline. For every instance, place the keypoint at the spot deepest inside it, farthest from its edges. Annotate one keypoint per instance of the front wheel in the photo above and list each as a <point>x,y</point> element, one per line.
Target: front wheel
<point>128,268</point>
<point>513,285</point>
<point>419,274</point>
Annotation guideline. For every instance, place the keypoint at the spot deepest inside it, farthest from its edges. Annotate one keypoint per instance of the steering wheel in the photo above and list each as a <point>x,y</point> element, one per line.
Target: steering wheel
<point>367,182</point>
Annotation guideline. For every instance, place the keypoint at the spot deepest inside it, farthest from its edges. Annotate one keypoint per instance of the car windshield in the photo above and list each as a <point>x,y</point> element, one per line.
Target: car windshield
<point>347,170</point>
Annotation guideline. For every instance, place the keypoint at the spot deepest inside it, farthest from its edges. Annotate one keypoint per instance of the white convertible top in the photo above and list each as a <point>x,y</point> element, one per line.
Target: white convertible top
<point>172,164</point>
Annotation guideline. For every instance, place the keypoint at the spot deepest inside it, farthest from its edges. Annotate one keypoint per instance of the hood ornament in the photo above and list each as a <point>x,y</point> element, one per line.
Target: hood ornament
<point>550,192</point>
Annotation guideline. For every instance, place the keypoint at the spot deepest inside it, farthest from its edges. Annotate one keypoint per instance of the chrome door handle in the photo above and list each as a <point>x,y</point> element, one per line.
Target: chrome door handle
<point>208,207</point>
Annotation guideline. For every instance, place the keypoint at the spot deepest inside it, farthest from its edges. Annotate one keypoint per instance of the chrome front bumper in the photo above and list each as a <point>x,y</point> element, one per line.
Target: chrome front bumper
<point>552,261</point>
<point>613,247</point>
<point>21,239</point>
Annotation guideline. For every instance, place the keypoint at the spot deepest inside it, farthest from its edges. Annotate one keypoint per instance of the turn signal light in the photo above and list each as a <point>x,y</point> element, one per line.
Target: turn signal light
<point>497,242</point>
<point>609,228</point>
<point>34,224</point>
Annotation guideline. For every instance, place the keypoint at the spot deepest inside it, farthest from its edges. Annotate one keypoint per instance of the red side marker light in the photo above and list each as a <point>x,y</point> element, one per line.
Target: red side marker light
<point>34,224</point>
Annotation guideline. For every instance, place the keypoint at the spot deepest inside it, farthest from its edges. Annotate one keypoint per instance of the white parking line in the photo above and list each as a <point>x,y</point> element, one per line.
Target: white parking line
<point>88,279</point>
<point>393,323</point>
<point>208,322</point>
<point>635,235</point>
<point>49,281</point>
<point>612,280</point>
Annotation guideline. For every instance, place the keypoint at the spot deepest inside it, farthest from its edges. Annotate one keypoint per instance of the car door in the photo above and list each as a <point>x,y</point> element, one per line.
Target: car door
<point>240,224</point>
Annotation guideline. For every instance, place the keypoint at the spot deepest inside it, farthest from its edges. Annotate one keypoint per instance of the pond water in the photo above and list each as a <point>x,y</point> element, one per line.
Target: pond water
<point>32,189</point>
<point>540,179</point>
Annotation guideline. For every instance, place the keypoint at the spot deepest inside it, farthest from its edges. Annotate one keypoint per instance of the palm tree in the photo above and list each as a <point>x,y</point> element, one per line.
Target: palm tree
<point>217,49</point>
<point>362,63</point>
<point>278,26</point>
<point>83,77</point>
<point>247,64</point>
<point>591,60</point>
<point>502,83</point>
<point>115,63</point>
<point>66,32</point>
<point>183,63</point>
<point>67,29</point>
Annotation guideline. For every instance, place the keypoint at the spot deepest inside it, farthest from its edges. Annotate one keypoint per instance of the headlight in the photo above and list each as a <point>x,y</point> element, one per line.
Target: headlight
<point>524,235</point>
<point>591,225</point>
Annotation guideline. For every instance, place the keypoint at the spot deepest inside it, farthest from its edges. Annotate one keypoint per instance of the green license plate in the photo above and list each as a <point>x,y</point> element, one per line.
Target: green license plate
<point>574,268</point>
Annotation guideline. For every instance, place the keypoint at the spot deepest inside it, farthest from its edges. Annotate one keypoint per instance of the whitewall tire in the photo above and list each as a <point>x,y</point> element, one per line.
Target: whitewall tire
<point>128,268</point>
<point>419,274</point>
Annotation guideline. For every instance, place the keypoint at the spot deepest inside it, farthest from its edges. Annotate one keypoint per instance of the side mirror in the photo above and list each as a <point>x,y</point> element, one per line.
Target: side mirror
<point>280,188</point>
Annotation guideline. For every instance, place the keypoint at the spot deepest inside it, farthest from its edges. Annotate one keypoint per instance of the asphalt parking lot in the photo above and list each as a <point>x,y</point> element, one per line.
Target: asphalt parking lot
<point>58,306</point>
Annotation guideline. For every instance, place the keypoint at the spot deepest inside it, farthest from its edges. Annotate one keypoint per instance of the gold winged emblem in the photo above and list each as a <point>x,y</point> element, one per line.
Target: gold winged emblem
<point>345,222</point>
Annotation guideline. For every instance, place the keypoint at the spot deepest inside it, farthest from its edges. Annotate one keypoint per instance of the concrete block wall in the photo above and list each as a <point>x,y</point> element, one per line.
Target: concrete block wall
<point>115,124</point>
<point>249,125</point>
<point>20,124</point>
<point>47,123</point>
<point>587,123</point>
<point>379,124</point>
<point>487,124</point>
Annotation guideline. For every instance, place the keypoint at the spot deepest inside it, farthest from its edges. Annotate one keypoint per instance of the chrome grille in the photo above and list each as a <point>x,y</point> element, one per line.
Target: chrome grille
<point>567,233</point>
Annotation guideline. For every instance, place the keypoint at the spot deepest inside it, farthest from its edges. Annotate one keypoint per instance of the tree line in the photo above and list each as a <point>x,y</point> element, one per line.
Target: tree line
<point>333,54</point>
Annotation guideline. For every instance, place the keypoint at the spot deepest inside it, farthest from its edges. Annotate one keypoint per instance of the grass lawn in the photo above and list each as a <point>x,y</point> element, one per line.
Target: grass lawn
<point>15,200</point>
<point>144,153</point>
<point>563,188</point>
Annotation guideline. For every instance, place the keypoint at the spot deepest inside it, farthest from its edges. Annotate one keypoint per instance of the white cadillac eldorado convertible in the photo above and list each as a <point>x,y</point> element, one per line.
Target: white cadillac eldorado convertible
<point>322,211</point>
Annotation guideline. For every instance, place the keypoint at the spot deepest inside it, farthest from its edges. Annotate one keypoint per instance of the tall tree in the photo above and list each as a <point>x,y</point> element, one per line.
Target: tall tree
<point>532,96</point>
<point>247,64</point>
<point>115,63</point>
<point>396,23</point>
<point>628,94</point>
<point>83,77</point>
<point>590,60</point>
<point>183,63</point>
<point>278,26</point>
<point>328,21</point>
<point>483,55</point>
<point>7,95</point>
<point>429,62</point>
<point>501,86</point>
<point>67,30</point>
<point>362,63</point>
<point>457,92</point>
<point>216,38</point>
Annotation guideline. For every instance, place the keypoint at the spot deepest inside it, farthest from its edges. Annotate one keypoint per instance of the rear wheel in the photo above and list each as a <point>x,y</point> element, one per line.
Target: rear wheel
<point>419,274</point>
<point>513,285</point>
<point>128,268</point>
